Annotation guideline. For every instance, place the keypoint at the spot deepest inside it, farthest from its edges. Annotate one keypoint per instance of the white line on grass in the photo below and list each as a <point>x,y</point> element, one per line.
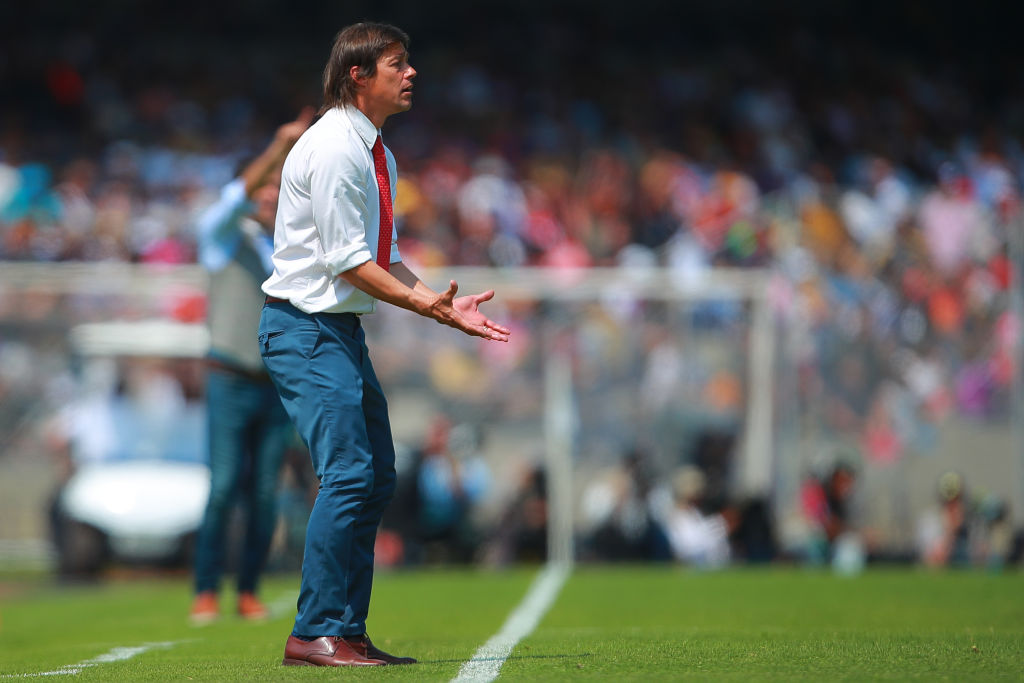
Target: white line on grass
<point>118,654</point>
<point>486,663</point>
<point>283,605</point>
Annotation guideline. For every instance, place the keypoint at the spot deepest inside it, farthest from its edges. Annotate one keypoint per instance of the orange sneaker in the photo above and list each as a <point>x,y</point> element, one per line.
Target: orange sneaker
<point>250,608</point>
<point>204,608</point>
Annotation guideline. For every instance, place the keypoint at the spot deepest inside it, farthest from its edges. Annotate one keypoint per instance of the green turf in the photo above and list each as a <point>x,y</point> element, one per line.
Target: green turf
<point>608,623</point>
<point>780,625</point>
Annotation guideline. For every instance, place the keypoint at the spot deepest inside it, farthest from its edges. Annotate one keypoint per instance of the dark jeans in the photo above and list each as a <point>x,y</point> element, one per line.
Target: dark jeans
<point>322,370</point>
<point>248,434</point>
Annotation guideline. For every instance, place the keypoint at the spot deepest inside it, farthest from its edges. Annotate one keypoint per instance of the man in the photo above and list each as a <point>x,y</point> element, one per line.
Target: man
<point>827,504</point>
<point>247,427</point>
<point>335,255</point>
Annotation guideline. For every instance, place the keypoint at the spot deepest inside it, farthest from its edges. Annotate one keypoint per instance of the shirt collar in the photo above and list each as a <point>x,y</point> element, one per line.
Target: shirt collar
<point>362,125</point>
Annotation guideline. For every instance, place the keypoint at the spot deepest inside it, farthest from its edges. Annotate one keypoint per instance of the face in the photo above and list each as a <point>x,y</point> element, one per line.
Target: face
<point>389,90</point>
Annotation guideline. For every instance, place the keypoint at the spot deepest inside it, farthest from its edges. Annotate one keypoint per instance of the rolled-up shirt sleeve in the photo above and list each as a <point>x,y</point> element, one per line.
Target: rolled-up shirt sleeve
<point>338,194</point>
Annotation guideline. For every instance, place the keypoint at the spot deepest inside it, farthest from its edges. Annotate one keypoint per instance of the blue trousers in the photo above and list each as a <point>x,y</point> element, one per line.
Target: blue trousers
<point>323,374</point>
<point>248,432</point>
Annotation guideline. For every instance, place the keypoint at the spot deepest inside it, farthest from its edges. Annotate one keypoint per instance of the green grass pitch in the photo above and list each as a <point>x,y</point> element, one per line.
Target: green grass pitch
<point>608,623</point>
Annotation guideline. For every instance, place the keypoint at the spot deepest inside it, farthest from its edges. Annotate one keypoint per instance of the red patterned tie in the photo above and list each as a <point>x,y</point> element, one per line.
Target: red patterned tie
<point>380,163</point>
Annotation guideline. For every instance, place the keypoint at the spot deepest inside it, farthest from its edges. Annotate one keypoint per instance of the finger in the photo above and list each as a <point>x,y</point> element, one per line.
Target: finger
<point>453,287</point>
<point>484,296</point>
<point>493,334</point>
<point>493,331</point>
<point>481,329</point>
<point>499,328</point>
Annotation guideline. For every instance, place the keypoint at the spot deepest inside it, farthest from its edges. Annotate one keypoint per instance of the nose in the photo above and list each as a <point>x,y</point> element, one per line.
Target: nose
<point>410,73</point>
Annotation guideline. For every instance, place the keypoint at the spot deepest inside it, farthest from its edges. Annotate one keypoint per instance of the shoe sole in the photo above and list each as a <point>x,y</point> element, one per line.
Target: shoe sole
<point>287,661</point>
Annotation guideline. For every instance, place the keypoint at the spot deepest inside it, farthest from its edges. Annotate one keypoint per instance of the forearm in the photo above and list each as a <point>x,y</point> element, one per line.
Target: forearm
<point>410,279</point>
<point>259,170</point>
<point>399,287</point>
<point>270,161</point>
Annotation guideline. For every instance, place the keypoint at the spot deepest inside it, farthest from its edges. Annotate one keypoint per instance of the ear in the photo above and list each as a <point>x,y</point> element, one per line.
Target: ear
<point>357,75</point>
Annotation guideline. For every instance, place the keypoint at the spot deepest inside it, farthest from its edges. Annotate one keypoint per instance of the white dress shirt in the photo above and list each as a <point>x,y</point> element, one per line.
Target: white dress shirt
<point>328,215</point>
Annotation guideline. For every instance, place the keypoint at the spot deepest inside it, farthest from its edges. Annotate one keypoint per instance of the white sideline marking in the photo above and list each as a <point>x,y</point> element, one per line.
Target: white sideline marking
<point>283,605</point>
<point>118,654</point>
<point>486,663</point>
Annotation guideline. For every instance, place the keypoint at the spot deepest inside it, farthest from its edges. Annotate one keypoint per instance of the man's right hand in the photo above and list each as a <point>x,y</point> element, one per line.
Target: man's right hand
<point>464,314</point>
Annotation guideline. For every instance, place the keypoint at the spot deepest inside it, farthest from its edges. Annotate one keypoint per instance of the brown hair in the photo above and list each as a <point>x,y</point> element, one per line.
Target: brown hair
<point>359,45</point>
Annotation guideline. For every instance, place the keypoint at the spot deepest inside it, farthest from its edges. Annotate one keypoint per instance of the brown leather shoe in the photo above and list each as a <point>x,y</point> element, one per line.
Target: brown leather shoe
<point>250,608</point>
<point>204,608</point>
<point>324,651</point>
<point>364,646</point>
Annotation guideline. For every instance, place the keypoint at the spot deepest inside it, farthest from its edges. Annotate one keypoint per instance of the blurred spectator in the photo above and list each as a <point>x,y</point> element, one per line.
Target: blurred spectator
<point>619,523</point>
<point>434,507</point>
<point>962,530</point>
<point>696,538</point>
<point>521,532</point>
<point>752,530</point>
<point>874,208</point>
<point>827,506</point>
<point>1000,545</point>
<point>944,531</point>
<point>951,222</point>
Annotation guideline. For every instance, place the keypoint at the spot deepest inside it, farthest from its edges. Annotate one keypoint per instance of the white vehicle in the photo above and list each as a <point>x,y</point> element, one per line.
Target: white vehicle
<point>136,435</point>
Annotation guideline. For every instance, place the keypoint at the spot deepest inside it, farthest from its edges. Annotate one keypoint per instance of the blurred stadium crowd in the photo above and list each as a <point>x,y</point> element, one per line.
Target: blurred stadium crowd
<point>882,185</point>
<point>109,158</point>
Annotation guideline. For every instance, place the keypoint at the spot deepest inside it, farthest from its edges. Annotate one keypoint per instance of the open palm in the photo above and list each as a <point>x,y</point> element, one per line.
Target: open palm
<point>468,308</point>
